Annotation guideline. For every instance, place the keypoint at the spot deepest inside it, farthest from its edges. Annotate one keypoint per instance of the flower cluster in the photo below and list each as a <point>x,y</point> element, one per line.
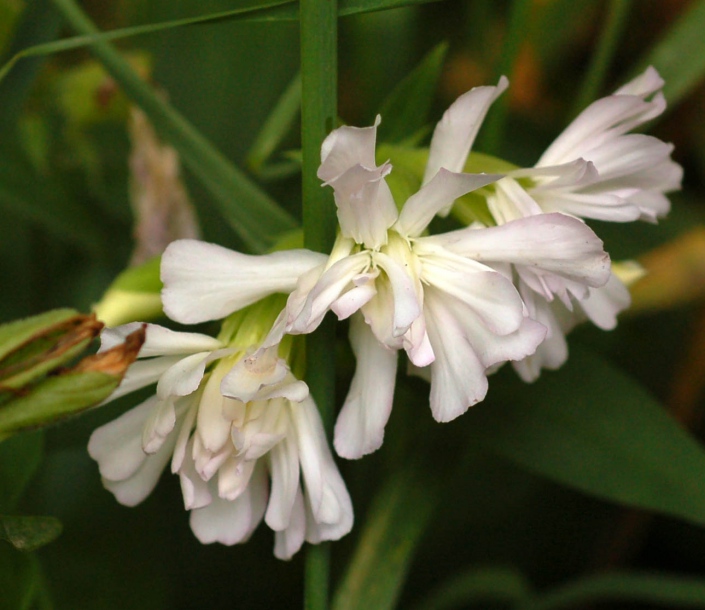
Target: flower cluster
<point>459,304</point>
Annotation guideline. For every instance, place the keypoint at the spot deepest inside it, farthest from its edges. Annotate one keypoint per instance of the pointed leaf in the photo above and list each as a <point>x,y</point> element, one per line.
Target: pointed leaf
<point>591,427</point>
<point>395,524</point>
<point>476,586</point>
<point>643,588</point>
<point>683,40</point>
<point>405,111</point>
<point>276,127</point>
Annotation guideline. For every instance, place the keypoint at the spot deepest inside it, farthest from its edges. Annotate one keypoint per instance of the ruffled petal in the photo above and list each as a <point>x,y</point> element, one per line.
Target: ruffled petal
<point>547,243</point>
<point>136,488</point>
<point>346,147</point>
<point>117,445</point>
<point>284,472</point>
<point>204,281</point>
<point>327,498</point>
<point>159,341</point>
<point>435,196</point>
<point>456,131</point>
<point>288,541</point>
<point>142,373</point>
<point>359,429</point>
<point>465,348</point>
<point>365,205</point>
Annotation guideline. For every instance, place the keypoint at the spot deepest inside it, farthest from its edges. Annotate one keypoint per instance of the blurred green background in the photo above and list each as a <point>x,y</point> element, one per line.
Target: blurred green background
<point>67,231</point>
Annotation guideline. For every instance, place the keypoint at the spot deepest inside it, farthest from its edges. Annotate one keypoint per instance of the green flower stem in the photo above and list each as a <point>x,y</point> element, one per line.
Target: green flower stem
<point>617,13</point>
<point>319,39</point>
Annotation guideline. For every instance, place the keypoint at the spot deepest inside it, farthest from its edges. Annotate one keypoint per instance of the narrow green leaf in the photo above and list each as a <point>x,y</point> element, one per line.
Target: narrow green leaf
<point>56,398</point>
<point>476,586</point>
<point>651,589</point>
<point>517,27</point>
<point>282,10</point>
<point>591,427</point>
<point>680,55</point>
<point>19,459</point>
<point>29,533</point>
<point>395,524</point>
<point>254,216</point>
<point>405,112</point>
<point>277,125</point>
<point>615,23</point>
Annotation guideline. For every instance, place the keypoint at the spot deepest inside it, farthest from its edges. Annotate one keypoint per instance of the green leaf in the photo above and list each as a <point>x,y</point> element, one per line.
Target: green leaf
<point>405,111</point>
<point>474,586</point>
<point>19,459</point>
<point>651,589</point>
<point>395,524</point>
<point>680,55</point>
<point>591,427</point>
<point>277,125</point>
<point>29,533</point>
<point>56,398</point>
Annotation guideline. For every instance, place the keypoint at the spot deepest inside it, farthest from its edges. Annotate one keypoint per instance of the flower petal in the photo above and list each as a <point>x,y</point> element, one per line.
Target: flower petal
<point>435,196</point>
<point>366,208</point>
<point>345,147</point>
<point>288,541</point>
<point>204,281</point>
<point>359,429</point>
<point>455,133</point>
<point>117,445</point>
<point>159,341</point>
<point>284,471</point>
<point>546,243</point>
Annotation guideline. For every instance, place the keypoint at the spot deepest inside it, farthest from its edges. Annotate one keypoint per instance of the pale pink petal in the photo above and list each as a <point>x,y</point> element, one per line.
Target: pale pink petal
<point>142,373</point>
<point>345,147</point>
<point>407,305</point>
<point>225,521</point>
<point>437,195</point>
<point>117,445</point>
<point>204,281</point>
<point>138,486</point>
<point>233,477</point>
<point>284,472</point>
<point>456,131</point>
<point>603,304</point>
<point>159,341</point>
<point>365,205</point>
<point>359,429</point>
<point>547,243</point>
<point>326,291</point>
<point>488,293</point>
<point>288,541</point>
<point>327,497</point>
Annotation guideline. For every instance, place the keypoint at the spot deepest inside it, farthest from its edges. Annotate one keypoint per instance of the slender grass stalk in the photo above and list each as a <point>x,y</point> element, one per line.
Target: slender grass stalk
<point>319,67</point>
<point>616,21</point>
<point>493,130</point>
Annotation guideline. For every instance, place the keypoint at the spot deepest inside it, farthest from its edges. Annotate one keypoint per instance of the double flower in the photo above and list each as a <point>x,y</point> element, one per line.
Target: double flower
<point>459,304</point>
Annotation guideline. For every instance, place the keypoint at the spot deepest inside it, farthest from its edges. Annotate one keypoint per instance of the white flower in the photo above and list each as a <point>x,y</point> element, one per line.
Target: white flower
<point>240,437</point>
<point>594,169</point>
<point>439,298</point>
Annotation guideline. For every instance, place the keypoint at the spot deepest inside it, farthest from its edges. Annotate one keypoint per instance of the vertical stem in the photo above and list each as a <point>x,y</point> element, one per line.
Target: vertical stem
<point>319,66</point>
<point>617,13</point>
